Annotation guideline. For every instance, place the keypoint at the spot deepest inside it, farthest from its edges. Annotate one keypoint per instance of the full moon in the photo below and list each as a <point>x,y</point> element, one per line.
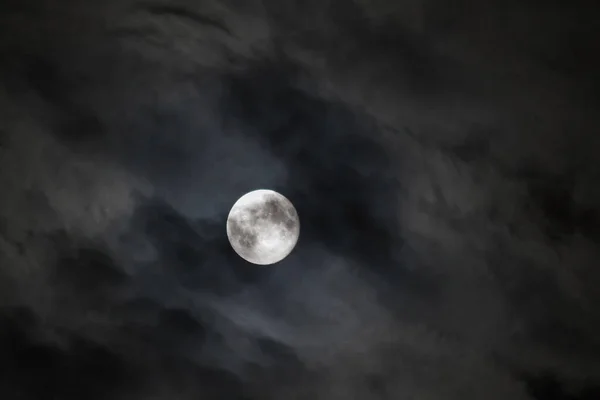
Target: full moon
<point>263,227</point>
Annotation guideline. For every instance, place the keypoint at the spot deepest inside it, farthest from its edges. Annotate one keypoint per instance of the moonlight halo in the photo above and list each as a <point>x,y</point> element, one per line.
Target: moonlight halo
<point>263,227</point>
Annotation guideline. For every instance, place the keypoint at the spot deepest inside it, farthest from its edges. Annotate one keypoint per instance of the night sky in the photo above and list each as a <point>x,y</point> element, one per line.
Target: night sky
<point>442,157</point>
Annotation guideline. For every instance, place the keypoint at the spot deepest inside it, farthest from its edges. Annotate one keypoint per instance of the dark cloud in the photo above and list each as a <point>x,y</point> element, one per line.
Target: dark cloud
<point>441,159</point>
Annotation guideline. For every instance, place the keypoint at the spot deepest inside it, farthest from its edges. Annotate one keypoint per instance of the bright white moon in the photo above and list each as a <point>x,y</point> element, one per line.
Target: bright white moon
<point>263,227</point>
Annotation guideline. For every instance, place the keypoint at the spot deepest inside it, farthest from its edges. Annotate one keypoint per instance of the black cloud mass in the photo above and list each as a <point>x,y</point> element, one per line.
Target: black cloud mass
<point>442,157</point>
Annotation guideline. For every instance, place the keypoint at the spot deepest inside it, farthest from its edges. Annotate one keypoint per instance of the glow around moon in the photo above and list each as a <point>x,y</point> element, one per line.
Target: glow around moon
<point>263,227</point>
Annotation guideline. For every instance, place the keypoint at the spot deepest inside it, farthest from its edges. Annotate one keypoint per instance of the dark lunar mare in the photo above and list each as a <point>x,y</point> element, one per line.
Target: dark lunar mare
<point>275,211</point>
<point>245,237</point>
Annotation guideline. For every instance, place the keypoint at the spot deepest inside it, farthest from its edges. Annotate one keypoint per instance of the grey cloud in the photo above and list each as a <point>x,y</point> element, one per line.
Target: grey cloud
<point>439,159</point>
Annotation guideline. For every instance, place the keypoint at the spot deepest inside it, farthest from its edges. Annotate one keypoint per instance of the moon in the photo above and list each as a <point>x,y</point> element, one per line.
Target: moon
<point>263,227</point>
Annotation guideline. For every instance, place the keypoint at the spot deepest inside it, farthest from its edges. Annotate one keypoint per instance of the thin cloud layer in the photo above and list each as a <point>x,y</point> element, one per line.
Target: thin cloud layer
<point>440,160</point>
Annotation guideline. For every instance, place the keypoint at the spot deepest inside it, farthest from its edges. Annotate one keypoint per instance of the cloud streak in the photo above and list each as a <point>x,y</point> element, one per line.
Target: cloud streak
<point>440,161</point>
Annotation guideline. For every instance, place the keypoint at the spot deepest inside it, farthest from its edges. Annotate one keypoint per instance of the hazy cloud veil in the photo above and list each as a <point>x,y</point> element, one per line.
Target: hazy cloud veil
<point>441,158</point>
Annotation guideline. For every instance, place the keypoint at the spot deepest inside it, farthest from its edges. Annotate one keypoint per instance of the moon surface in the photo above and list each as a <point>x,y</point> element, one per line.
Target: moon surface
<point>263,227</point>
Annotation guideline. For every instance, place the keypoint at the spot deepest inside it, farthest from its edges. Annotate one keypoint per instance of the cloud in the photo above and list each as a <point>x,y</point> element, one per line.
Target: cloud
<point>439,161</point>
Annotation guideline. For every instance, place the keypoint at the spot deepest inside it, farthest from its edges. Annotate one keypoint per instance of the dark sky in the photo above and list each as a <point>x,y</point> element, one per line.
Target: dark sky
<point>442,156</point>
